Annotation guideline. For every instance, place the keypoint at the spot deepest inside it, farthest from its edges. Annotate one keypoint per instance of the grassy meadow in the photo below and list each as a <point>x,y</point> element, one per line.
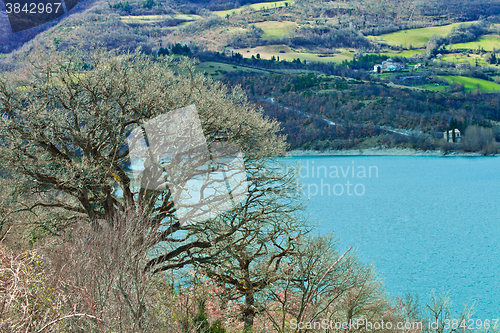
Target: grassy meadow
<point>405,53</point>
<point>284,52</point>
<point>255,6</point>
<point>486,42</point>
<point>276,29</point>
<point>415,37</point>
<point>473,84</point>
<point>470,58</point>
<point>461,58</point>
<point>215,69</point>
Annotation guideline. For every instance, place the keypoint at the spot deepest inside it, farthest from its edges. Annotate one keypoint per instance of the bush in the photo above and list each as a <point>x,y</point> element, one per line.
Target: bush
<point>92,280</point>
<point>446,146</point>
<point>479,139</point>
<point>27,301</point>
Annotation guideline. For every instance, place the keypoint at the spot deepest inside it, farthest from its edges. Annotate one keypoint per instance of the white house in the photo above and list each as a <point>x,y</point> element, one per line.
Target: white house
<point>448,135</point>
<point>391,66</point>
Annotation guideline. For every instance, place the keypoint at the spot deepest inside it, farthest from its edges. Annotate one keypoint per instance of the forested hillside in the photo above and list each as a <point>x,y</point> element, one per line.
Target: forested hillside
<point>317,21</point>
<point>362,109</point>
<point>444,70</point>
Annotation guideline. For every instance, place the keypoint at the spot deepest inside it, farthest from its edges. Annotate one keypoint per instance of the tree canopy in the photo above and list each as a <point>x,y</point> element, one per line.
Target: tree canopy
<point>64,127</point>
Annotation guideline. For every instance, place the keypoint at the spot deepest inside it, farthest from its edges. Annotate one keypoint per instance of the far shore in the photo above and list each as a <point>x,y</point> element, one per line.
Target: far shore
<point>382,152</point>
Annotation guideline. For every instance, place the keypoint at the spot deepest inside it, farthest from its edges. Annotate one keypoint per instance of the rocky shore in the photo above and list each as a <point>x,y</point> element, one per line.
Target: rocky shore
<point>381,152</point>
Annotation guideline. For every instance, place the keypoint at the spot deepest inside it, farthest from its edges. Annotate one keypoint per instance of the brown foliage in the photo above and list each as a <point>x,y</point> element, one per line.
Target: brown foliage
<point>90,280</point>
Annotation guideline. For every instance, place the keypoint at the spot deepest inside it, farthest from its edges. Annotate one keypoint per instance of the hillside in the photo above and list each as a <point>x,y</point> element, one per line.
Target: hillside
<point>444,59</point>
<point>312,24</point>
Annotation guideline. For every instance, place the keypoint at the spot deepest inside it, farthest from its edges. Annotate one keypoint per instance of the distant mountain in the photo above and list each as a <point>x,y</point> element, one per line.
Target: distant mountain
<point>10,41</point>
<point>101,21</point>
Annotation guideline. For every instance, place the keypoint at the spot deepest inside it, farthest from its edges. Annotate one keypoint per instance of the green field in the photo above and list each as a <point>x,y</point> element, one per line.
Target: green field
<point>148,19</point>
<point>406,53</point>
<point>473,84</point>
<point>215,69</point>
<point>268,51</point>
<point>471,59</point>
<point>430,86</point>
<point>415,37</point>
<point>486,42</point>
<point>255,6</point>
<point>276,29</point>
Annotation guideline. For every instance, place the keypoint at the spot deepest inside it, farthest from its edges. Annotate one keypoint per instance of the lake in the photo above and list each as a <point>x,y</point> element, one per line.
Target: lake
<point>425,223</point>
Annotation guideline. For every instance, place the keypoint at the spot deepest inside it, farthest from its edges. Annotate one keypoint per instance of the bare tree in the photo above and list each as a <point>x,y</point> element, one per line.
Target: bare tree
<point>324,285</point>
<point>65,123</point>
<point>441,319</point>
<point>102,270</point>
<point>259,253</point>
<point>479,139</point>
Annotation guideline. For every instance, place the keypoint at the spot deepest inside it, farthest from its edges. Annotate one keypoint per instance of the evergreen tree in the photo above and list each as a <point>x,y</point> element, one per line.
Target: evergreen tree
<point>163,52</point>
<point>177,48</point>
<point>148,4</point>
<point>493,59</point>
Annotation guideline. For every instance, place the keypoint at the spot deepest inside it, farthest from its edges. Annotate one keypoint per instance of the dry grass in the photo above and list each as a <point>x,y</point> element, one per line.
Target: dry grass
<point>276,29</point>
<point>255,6</point>
<point>148,19</point>
<point>284,52</point>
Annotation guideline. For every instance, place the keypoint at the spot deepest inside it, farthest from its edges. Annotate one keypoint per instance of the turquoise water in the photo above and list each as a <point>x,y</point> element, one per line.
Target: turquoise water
<point>426,223</point>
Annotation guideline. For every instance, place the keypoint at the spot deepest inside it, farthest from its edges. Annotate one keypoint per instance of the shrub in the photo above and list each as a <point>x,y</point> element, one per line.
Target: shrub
<point>479,139</point>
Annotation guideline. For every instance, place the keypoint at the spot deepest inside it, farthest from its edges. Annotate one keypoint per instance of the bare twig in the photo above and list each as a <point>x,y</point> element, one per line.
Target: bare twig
<point>69,316</point>
<point>318,284</point>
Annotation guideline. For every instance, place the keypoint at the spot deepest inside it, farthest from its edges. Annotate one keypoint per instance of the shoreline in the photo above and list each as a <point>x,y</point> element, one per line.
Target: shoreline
<point>383,152</point>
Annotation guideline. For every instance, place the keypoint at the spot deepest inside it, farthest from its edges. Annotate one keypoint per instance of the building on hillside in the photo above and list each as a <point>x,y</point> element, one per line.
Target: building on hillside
<point>448,135</point>
<point>388,66</point>
<point>419,65</point>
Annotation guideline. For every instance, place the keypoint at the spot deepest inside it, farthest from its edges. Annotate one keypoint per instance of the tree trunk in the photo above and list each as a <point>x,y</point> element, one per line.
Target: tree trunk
<point>249,312</point>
